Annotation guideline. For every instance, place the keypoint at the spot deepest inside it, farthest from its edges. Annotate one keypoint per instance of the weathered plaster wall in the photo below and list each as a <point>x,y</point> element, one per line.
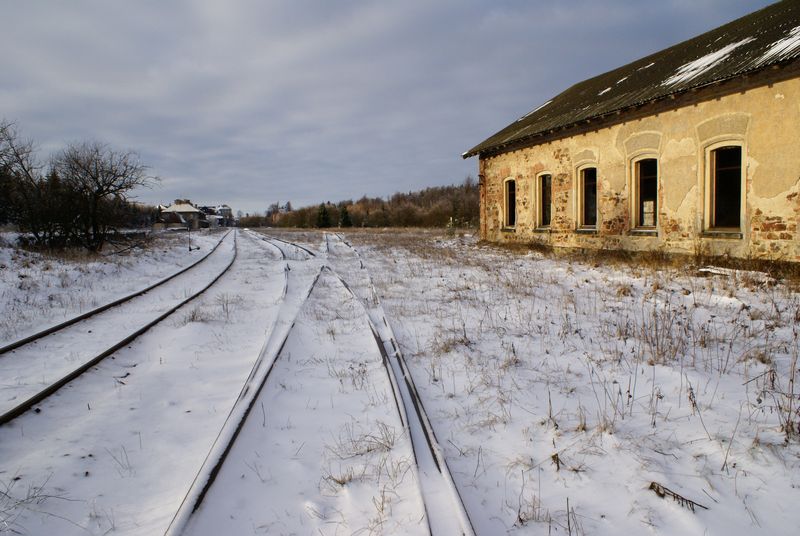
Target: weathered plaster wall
<point>765,120</point>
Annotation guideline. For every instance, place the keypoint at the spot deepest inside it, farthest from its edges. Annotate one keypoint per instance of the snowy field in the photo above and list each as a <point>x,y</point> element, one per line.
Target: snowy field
<point>568,397</point>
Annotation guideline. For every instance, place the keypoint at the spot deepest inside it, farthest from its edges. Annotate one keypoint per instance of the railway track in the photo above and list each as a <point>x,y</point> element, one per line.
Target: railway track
<point>36,367</point>
<point>330,344</point>
<point>58,327</point>
<point>294,295</point>
<point>124,443</point>
<point>360,392</point>
<point>219,486</point>
<point>259,236</point>
<point>292,245</point>
<point>439,489</point>
<point>289,250</point>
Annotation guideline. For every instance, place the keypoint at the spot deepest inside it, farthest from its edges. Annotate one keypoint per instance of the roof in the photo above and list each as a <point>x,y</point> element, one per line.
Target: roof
<point>171,217</point>
<point>181,208</point>
<point>762,39</point>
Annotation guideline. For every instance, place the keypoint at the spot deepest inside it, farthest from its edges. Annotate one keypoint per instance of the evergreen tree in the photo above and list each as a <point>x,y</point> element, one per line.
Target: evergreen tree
<point>323,217</point>
<point>6,205</point>
<point>344,218</point>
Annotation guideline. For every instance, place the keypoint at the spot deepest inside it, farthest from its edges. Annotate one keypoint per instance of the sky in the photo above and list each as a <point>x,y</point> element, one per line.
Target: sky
<point>250,102</point>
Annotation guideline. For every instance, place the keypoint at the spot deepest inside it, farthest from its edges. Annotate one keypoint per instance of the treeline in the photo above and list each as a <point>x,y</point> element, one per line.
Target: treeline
<point>439,206</point>
<point>79,196</point>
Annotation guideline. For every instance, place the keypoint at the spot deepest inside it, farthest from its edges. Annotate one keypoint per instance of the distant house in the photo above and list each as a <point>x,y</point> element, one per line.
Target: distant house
<point>226,213</point>
<point>692,149</point>
<point>191,215</point>
<point>169,220</point>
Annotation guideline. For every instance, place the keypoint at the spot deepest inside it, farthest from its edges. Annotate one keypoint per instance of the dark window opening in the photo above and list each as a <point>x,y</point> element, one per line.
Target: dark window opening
<point>726,187</point>
<point>589,197</point>
<point>647,188</point>
<point>545,197</point>
<point>511,203</point>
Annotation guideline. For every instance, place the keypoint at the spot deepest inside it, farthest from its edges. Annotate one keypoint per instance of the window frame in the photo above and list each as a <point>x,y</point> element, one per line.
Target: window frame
<point>581,195</point>
<point>539,206</point>
<point>709,187</point>
<point>507,224</point>
<point>636,190</point>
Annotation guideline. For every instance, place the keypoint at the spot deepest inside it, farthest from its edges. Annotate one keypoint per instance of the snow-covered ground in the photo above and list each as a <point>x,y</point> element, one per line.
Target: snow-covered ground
<point>37,290</point>
<point>554,382</point>
<point>569,397</point>
<point>116,450</point>
<point>324,451</point>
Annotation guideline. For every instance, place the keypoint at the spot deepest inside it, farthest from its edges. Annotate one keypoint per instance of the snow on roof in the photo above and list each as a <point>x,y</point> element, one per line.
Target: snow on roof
<point>534,110</point>
<point>783,48</point>
<point>181,207</point>
<point>695,68</point>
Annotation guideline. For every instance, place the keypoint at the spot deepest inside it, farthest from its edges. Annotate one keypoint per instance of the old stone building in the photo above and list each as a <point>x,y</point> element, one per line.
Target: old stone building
<point>693,149</point>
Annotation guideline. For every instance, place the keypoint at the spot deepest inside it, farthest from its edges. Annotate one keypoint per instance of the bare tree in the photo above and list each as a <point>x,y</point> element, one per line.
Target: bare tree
<point>17,155</point>
<point>38,203</point>
<point>102,179</point>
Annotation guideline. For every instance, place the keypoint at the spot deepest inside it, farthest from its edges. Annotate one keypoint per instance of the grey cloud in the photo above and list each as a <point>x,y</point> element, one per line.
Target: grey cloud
<point>249,102</point>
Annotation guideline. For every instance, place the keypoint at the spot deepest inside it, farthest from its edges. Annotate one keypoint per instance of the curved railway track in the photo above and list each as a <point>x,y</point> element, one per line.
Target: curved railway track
<point>439,495</point>
<point>134,446</point>
<point>277,335</point>
<point>282,245</point>
<point>264,239</point>
<point>234,422</point>
<point>440,481</point>
<point>246,420</point>
<point>58,327</point>
<point>72,329</point>
<point>292,244</point>
<point>440,510</point>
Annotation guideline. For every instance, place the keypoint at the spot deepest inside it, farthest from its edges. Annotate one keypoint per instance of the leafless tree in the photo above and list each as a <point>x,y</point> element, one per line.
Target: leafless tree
<point>39,203</point>
<point>103,179</point>
<point>16,155</point>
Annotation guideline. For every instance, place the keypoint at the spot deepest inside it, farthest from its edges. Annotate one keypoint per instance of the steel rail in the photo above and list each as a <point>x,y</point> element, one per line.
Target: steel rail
<point>235,420</point>
<point>396,392</point>
<point>298,246</point>
<point>24,406</point>
<point>427,428</point>
<point>58,327</point>
<point>264,239</point>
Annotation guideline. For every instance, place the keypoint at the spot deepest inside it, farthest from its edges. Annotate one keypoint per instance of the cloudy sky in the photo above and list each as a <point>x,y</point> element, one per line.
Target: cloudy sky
<point>250,102</point>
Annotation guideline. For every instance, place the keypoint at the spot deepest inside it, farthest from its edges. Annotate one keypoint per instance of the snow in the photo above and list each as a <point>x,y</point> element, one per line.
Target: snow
<point>534,110</point>
<point>182,208</point>
<point>327,414</point>
<point>606,90</point>
<point>695,68</point>
<point>27,369</point>
<point>548,381</point>
<point>783,48</point>
<point>519,359</point>
<point>445,509</point>
<point>39,290</point>
<point>116,449</point>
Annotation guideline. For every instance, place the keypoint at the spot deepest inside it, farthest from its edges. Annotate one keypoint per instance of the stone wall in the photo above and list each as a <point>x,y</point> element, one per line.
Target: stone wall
<point>764,120</point>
